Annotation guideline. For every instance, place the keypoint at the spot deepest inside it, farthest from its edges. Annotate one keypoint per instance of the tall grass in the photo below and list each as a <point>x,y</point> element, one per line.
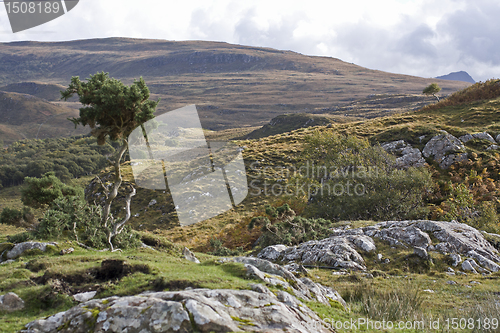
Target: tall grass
<point>401,302</point>
<point>476,92</point>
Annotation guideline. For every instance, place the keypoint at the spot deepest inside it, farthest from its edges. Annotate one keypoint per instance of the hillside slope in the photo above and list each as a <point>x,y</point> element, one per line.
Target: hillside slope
<point>233,85</point>
<point>24,116</point>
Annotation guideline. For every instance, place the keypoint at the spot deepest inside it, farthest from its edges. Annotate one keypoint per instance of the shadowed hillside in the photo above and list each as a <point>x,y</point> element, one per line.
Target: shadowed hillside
<point>24,116</point>
<point>233,85</point>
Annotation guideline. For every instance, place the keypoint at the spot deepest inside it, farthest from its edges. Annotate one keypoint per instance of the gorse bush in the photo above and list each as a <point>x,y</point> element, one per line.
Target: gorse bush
<point>281,226</point>
<point>66,157</point>
<point>18,218</point>
<point>220,250</point>
<point>351,180</point>
<point>40,192</point>
<point>72,217</point>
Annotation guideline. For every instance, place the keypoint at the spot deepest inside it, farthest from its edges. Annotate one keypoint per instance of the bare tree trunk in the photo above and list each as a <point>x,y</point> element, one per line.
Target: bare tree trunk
<point>118,227</point>
<point>116,184</point>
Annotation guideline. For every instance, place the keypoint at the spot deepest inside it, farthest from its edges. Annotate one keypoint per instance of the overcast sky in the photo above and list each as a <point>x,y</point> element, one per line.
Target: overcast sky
<point>425,38</point>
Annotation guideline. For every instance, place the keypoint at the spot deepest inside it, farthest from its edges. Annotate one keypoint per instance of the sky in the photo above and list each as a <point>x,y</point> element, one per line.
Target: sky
<point>425,38</point>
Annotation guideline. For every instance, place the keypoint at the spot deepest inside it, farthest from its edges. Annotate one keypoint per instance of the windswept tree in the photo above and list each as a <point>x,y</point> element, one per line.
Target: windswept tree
<point>112,109</point>
<point>432,89</point>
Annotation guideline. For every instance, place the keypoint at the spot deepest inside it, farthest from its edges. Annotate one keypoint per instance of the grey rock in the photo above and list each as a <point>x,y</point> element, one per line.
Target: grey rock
<point>84,297</point>
<point>483,261</point>
<point>362,242</point>
<point>484,136</point>
<point>493,147</point>
<point>456,259</point>
<point>498,138</point>
<point>11,302</point>
<point>296,269</point>
<point>465,138</point>
<point>468,266</point>
<point>274,275</point>
<point>445,149</point>
<point>20,248</point>
<point>67,251</point>
<point>386,261</point>
<point>407,156</point>
<point>421,252</point>
<point>272,252</point>
<point>459,238</point>
<point>10,261</point>
<point>379,257</point>
<point>451,270</point>
<point>410,235</point>
<point>152,202</point>
<point>189,255</point>
<point>451,282</point>
<point>210,310</point>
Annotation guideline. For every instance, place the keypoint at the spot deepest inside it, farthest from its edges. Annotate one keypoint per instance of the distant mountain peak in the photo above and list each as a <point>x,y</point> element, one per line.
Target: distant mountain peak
<point>457,76</point>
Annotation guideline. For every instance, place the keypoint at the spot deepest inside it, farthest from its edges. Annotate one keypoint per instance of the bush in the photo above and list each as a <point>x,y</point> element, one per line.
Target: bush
<point>347,179</point>
<point>220,250</point>
<point>40,192</point>
<point>18,218</point>
<point>74,218</point>
<point>286,228</point>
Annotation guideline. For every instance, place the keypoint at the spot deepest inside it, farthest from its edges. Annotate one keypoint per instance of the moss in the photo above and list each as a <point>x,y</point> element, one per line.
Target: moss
<point>21,274</point>
<point>32,252</point>
<point>246,322</point>
<point>4,248</point>
<point>51,249</point>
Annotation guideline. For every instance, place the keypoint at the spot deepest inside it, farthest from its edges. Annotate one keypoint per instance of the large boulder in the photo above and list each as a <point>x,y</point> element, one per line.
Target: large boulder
<point>406,155</point>
<point>445,149</point>
<point>344,248</point>
<point>197,310</point>
<point>304,288</point>
<point>11,302</point>
<point>20,248</point>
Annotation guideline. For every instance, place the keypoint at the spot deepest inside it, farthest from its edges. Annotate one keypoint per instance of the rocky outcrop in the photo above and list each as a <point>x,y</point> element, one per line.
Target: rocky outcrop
<point>336,252</point>
<point>197,310</point>
<point>276,275</point>
<point>407,156</point>
<point>445,149</point>
<point>11,302</point>
<point>344,248</point>
<point>482,136</point>
<point>20,248</point>
<point>188,255</point>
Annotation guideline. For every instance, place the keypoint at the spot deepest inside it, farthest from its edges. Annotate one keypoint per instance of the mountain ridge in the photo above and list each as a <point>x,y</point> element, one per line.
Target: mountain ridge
<point>233,86</point>
<point>457,76</point>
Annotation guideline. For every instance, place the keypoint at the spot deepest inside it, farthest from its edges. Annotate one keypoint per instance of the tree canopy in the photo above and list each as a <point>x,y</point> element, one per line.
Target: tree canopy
<point>110,107</point>
<point>432,89</point>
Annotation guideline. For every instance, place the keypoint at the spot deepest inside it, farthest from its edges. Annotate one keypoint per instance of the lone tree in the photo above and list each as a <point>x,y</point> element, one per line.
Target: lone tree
<point>432,89</point>
<point>112,109</point>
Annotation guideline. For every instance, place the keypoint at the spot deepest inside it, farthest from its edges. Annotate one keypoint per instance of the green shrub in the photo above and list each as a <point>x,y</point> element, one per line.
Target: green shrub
<point>286,228</point>
<point>220,250</point>
<point>347,179</point>
<point>74,218</point>
<point>18,218</point>
<point>40,192</point>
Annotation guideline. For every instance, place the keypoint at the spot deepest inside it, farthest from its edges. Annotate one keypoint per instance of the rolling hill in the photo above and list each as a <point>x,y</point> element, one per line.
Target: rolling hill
<point>24,116</point>
<point>234,86</point>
